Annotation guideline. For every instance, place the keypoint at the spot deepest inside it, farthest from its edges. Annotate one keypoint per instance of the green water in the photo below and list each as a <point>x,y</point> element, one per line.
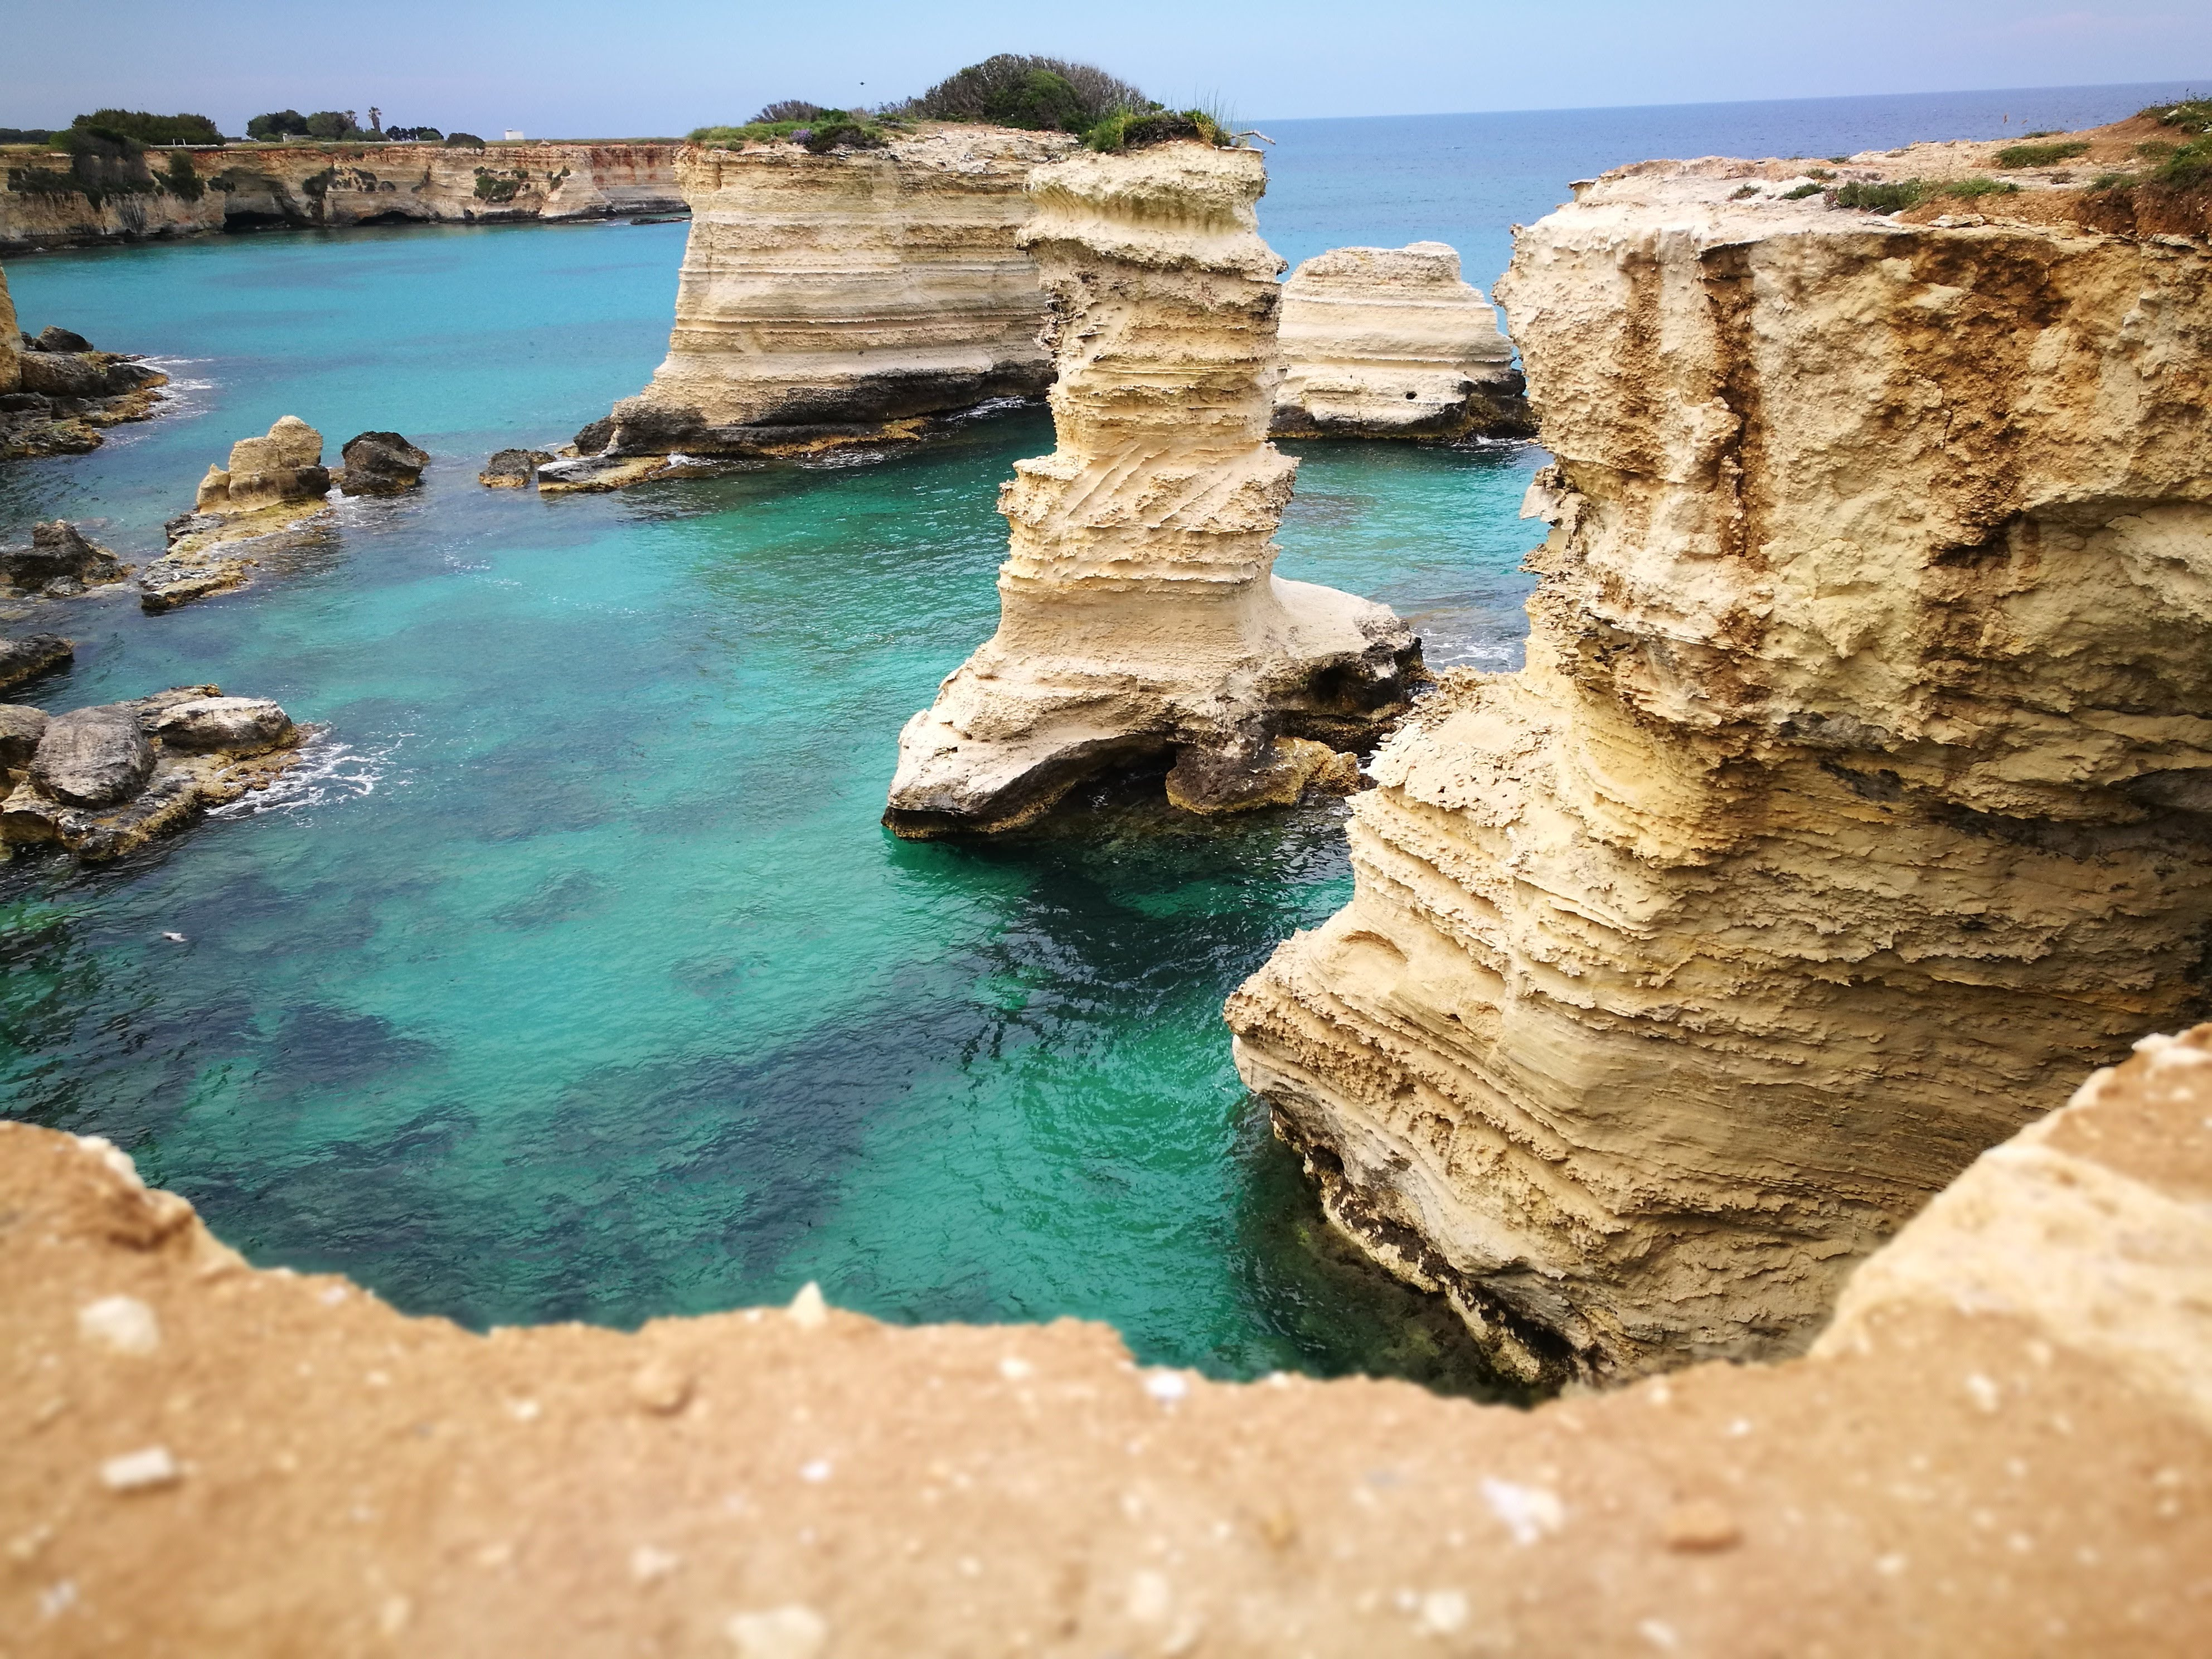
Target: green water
<point>573,976</point>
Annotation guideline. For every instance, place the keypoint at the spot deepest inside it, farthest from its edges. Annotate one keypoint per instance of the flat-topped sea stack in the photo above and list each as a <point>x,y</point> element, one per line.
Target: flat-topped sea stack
<point>1389,343</point>
<point>1857,792</point>
<point>841,297</point>
<point>1139,618</point>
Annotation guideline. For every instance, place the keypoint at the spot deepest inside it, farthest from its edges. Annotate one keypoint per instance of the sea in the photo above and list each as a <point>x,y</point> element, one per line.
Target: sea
<point>571,975</point>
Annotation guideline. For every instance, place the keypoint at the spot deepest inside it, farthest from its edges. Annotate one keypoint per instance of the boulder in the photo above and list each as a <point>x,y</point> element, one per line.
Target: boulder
<point>281,468</point>
<point>93,756</point>
<point>32,654</point>
<point>59,553</point>
<point>241,724</point>
<point>512,469</point>
<point>21,728</point>
<point>54,337</point>
<point>64,374</point>
<point>592,439</point>
<point>380,464</point>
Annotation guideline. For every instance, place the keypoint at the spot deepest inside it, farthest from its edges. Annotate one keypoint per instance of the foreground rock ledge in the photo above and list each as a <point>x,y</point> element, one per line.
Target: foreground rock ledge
<point>1138,615</point>
<point>2004,1445</point>
<point>1857,792</point>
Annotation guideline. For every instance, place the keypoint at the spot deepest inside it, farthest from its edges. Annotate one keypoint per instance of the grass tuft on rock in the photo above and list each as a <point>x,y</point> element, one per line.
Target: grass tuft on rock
<point>2191,114</point>
<point>2041,155</point>
<point>1139,129</point>
<point>1880,198</point>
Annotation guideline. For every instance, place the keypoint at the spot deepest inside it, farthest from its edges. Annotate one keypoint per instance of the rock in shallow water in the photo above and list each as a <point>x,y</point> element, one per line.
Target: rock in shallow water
<point>246,725</point>
<point>380,464</point>
<point>512,469</point>
<point>21,728</point>
<point>60,558</point>
<point>31,654</point>
<point>93,756</point>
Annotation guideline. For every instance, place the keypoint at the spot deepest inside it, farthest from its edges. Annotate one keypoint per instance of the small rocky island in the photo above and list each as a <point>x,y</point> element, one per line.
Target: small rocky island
<point>102,782</point>
<point>61,563</point>
<point>57,393</point>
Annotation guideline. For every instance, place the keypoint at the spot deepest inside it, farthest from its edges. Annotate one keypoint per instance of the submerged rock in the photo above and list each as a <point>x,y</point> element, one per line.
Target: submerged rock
<point>30,654</point>
<point>103,781</point>
<point>1388,343</point>
<point>380,464</point>
<point>1138,615</point>
<point>59,561</point>
<point>512,469</point>
<point>1849,804</point>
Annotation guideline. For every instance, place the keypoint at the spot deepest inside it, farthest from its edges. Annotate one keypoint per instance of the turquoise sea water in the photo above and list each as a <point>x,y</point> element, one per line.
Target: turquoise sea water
<point>574,977</point>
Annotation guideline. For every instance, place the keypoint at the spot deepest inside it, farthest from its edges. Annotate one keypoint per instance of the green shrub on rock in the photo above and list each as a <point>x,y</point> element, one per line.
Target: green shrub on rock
<point>2040,155</point>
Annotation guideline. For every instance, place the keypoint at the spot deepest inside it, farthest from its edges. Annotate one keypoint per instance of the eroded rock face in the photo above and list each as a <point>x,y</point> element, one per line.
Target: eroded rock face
<point>1138,615</point>
<point>831,298</point>
<point>57,394</point>
<point>512,469</point>
<point>1389,343</point>
<point>29,654</point>
<point>281,468</point>
<point>273,483</point>
<point>60,561</point>
<point>2003,1446</point>
<point>1852,799</point>
<point>102,782</point>
<point>380,464</point>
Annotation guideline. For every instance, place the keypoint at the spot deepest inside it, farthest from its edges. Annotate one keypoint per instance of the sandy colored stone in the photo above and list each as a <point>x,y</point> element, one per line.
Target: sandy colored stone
<point>11,340</point>
<point>1852,802</point>
<point>1138,613</point>
<point>825,299</point>
<point>1389,343</point>
<point>1972,1460</point>
<point>337,186</point>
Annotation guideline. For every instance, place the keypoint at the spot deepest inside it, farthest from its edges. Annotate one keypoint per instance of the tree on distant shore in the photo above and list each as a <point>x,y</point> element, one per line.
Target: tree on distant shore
<point>277,125</point>
<point>334,124</point>
<point>146,129</point>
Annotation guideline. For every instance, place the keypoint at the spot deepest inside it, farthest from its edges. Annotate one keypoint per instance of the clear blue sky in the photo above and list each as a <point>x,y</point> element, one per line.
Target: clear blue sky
<point>565,68</point>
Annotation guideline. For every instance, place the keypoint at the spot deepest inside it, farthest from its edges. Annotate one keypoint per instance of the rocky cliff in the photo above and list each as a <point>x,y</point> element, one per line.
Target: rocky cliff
<point>250,186</point>
<point>1388,343</point>
<point>1857,793</point>
<point>1138,615</point>
<point>2003,1446</point>
<point>830,297</point>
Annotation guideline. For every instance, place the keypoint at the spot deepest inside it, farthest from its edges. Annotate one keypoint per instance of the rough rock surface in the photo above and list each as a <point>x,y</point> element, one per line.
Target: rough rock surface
<point>57,394</point>
<point>1854,796</point>
<point>21,728</point>
<point>1138,615</point>
<point>831,298</point>
<point>337,185</point>
<point>2002,1446</point>
<point>28,654</point>
<point>272,485</point>
<point>1388,343</point>
<point>61,560</point>
<point>102,782</point>
<point>512,469</point>
<point>380,464</point>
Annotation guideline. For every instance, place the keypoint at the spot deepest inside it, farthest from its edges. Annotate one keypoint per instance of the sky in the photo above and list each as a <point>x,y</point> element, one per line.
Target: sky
<point>564,69</point>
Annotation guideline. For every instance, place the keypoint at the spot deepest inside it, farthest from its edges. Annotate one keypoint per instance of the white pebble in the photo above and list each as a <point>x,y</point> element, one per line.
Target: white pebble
<point>1166,1385</point>
<point>1529,1512</point>
<point>135,1471</point>
<point>1150,1598</point>
<point>817,1471</point>
<point>1016,1370</point>
<point>795,1632</point>
<point>649,1564</point>
<point>1443,1612</point>
<point>808,1310</point>
<point>1986,1394</point>
<point>123,1323</point>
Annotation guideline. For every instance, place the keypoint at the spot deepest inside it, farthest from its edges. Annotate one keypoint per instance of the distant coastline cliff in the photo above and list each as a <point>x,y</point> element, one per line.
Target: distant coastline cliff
<point>42,205</point>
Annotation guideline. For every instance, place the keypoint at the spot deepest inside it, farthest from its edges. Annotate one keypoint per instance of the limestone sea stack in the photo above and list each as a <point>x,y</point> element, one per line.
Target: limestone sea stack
<point>841,297</point>
<point>1389,343</point>
<point>1138,615</point>
<point>1856,794</point>
<point>271,483</point>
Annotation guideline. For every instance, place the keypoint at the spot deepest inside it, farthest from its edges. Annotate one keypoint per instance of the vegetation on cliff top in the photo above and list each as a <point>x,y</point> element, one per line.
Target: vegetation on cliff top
<point>2041,155</point>
<point>141,127</point>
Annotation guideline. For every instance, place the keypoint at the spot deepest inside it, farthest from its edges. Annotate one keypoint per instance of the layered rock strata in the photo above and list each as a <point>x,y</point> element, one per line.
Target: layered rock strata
<point>1389,343</point>
<point>841,297</point>
<point>2004,1445</point>
<point>104,781</point>
<point>271,485</point>
<point>1139,618</point>
<point>57,394</point>
<point>27,656</point>
<point>334,187</point>
<point>1857,792</point>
